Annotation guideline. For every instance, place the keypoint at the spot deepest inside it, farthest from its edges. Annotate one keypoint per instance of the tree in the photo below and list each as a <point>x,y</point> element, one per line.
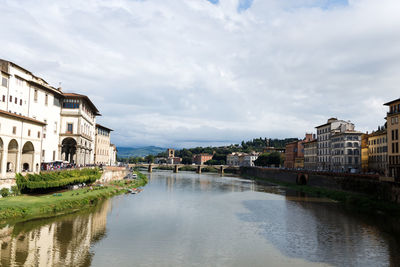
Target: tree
<point>149,158</point>
<point>268,159</point>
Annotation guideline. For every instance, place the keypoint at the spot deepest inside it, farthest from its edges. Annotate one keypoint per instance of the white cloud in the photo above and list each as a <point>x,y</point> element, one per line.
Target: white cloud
<point>173,72</point>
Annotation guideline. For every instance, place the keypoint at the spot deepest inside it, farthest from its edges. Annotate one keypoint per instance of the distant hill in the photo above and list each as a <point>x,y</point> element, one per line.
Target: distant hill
<point>126,152</point>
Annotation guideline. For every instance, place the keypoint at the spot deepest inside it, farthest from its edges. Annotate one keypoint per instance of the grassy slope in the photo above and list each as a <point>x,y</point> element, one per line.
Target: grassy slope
<point>29,207</point>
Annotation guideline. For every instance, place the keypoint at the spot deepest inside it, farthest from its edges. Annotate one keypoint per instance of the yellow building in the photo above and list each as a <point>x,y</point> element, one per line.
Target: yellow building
<point>102,145</point>
<point>392,120</point>
<point>364,152</point>
<point>378,152</point>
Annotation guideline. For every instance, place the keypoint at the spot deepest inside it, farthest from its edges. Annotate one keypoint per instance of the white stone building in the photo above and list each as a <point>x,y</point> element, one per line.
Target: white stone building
<point>241,159</point>
<point>112,155</point>
<point>41,124</point>
<point>102,144</point>
<point>346,151</point>
<point>78,127</point>
<point>324,135</point>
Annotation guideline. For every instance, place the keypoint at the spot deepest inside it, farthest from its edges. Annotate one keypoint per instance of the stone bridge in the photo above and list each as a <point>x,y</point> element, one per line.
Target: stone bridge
<point>221,168</point>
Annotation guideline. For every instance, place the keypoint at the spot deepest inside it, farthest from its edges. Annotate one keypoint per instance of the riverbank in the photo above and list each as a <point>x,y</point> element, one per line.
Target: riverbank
<point>26,207</point>
<point>352,201</point>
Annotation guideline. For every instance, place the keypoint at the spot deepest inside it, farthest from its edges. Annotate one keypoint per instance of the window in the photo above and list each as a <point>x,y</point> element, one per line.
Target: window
<point>35,95</point>
<point>43,153</point>
<point>55,127</point>
<point>16,100</point>
<point>70,128</point>
<point>19,81</point>
<point>14,131</point>
<point>44,135</point>
<point>10,98</point>
<point>71,103</point>
<point>20,102</point>
<point>54,155</point>
<point>4,98</point>
<point>46,99</point>
<point>38,134</point>
<point>29,132</point>
<point>45,127</point>
<point>4,81</point>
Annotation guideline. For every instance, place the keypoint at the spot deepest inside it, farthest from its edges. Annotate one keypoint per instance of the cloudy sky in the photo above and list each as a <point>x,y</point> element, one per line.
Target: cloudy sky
<point>183,73</point>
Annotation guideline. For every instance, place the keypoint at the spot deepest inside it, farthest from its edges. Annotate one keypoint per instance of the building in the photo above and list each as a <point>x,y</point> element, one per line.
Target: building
<point>393,126</point>
<point>310,155</point>
<point>233,159</point>
<point>171,152</point>
<point>294,153</point>
<point>174,160</point>
<point>41,125</point>
<point>21,140</point>
<point>290,154</point>
<point>200,159</point>
<point>25,94</point>
<point>78,126</point>
<point>378,152</point>
<point>113,155</point>
<point>102,145</point>
<point>324,134</point>
<point>242,159</point>
<point>346,151</point>
<point>364,152</point>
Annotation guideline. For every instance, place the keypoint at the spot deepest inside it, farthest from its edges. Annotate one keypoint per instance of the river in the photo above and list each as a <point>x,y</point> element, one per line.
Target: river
<point>187,219</point>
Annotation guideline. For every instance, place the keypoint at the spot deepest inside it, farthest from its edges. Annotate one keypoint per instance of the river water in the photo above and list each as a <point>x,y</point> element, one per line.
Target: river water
<point>187,219</point>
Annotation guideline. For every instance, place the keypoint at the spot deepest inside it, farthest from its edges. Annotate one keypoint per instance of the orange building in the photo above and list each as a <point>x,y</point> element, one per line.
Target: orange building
<point>200,159</point>
<point>294,153</point>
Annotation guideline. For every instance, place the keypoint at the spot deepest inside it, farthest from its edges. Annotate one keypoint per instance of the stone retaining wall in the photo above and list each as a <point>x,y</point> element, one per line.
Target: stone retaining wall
<point>365,184</point>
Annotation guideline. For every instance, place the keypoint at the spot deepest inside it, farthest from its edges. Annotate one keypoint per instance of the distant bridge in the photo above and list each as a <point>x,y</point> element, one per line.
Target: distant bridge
<point>175,167</point>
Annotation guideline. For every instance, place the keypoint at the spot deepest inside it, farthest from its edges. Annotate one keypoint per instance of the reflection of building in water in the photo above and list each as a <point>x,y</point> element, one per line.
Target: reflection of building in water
<point>65,242</point>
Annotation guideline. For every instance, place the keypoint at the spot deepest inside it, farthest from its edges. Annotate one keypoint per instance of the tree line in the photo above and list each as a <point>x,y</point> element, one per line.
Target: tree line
<point>220,153</point>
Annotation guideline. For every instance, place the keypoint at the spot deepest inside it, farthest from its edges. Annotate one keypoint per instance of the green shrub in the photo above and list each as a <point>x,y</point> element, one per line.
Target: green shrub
<point>33,182</point>
<point>15,190</point>
<point>5,192</point>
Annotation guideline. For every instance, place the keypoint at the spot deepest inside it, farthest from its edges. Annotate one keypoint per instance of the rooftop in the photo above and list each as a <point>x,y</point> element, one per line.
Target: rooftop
<point>20,117</point>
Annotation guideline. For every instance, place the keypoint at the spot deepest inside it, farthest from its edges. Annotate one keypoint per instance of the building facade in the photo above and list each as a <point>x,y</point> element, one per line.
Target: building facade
<point>77,134</point>
<point>294,153</point>
<point>310,155</point>
<point>378,152</point>
<point>102,145</point>
<point>39,124</point>
<point>324,134</point>
<point>346,151</point>
<point>393,127</point>
<point>200,159</point>
<point>113,155</point>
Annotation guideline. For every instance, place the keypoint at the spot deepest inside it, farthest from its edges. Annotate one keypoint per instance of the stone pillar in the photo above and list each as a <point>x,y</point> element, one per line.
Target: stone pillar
<point>198,169</point>
<point>18,161</point>
<point>150,168</point>
<point>176,169</point>
<point>4,163</point>
<point>221,170</point>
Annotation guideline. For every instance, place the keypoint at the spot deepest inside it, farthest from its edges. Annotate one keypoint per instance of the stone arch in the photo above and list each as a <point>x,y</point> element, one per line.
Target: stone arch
<point>302,179</point>
<point>12,156</point>
<point>68,150</point>
<point>28,157</point>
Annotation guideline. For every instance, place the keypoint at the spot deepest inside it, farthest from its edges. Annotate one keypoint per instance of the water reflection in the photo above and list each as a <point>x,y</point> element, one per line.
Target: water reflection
<point>61,241</point>
<point>189,219</point>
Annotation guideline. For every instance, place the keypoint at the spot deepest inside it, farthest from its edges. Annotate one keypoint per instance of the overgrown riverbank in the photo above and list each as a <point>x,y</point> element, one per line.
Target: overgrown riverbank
<point>352,201</point>
<point>25,207</point>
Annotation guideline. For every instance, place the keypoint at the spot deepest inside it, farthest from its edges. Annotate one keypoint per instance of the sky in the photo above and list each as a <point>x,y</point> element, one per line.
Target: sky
<point>185,73</point>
